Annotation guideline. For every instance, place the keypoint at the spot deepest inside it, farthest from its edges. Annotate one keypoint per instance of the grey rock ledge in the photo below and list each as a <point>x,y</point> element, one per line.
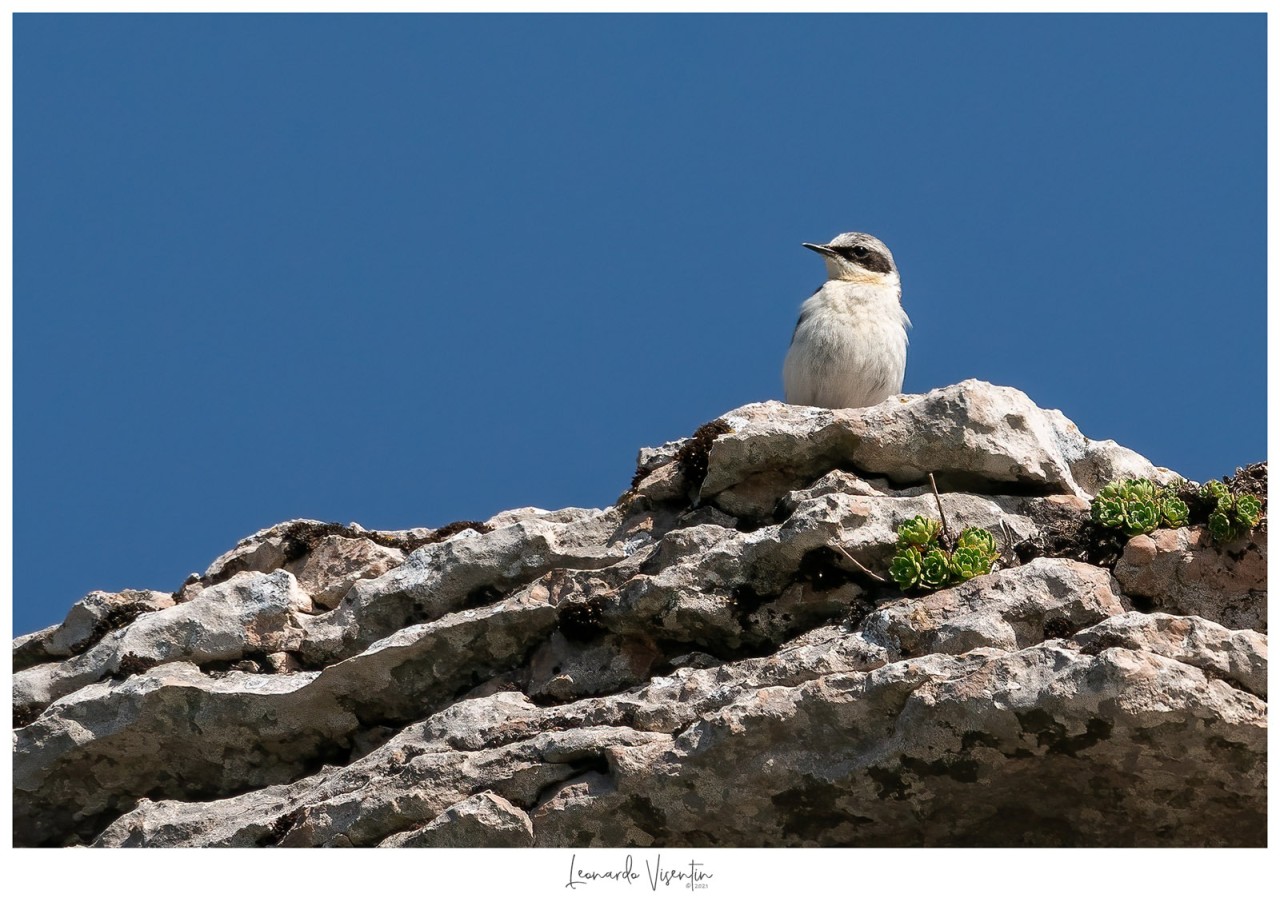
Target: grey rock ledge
<point>693,666</point>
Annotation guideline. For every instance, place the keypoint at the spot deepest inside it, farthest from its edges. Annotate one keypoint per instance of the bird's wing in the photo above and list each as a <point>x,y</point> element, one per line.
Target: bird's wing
<point>804,313</point>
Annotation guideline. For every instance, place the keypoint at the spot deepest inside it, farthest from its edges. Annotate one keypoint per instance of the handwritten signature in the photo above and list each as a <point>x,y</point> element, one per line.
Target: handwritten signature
<point>692,877</point>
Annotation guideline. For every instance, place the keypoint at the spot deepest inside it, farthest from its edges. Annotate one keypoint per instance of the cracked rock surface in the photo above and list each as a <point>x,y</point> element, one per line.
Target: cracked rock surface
<point>693,666</point>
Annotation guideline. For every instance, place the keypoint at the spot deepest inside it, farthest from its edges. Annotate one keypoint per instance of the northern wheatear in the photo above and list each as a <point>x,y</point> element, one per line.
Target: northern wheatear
<point>849,348</point>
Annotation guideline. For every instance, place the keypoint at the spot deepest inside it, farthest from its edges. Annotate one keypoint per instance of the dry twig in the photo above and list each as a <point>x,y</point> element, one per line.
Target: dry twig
<point>951,542</point>
<point>858,564</point>
<point>1008,543</point>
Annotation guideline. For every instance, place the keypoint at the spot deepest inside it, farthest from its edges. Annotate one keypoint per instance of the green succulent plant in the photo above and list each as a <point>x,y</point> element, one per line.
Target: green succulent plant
<point>1140,488</point>
<point>1220,527</point>
<point>1215,490</point>
<point>1173,511</point>
<point>1142,516</point>
<point>1140,506</point>
<point>1248,511</point>
<point>905,568</point>
<point>967,563</point>
<point>980,540</point>
<point>935,569</point>
<point>1137,505</point>
<point>920,532</point>
<point>1109,511</point>
<point>1234,515</point>
<point>921,562</point>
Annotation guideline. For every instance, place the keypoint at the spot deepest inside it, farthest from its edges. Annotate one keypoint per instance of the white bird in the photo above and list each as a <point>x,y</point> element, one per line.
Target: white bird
<point>849,348</point>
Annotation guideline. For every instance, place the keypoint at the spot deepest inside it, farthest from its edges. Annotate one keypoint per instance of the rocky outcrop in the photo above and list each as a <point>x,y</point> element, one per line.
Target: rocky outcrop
<point>711,661</point>
<point>1182,572</point>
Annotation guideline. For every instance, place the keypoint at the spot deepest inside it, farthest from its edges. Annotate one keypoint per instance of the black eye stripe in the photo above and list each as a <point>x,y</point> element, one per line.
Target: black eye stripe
<point>865,257</point>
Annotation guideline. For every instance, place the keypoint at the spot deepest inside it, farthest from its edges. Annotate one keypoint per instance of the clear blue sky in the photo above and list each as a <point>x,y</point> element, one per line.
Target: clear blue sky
<point>403,270</point>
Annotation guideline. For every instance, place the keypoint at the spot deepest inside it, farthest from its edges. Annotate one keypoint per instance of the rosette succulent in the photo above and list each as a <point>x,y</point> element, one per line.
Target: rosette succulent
<point>1128,505</point>
<point>1220,527</point>
<point>1248,511</point>
<point>1138,506</point>
<point>980,540</point>
<point>1142,517</point>
<point>1173,511</point>
<point>921,562</point>
<point>935,569</point>
<point>1215,490</point>
<point>920,532</point>
<point>1234,515</point>
<point>905,568</point>
<point>967,563</point>
<point>1108,510</point>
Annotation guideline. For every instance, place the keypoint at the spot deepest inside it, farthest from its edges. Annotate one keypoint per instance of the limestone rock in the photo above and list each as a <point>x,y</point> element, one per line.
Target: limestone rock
<point>1183,572</point>
<point>249,613</point>
<point>29,649</point>
<point>562,669</point>
<point>265,551</point>
<point>1237,657</point>
<point>484,819</point>
<point>343,552</point>
<point>1008,610</point>
<point>941,750</point>
<point>715,661</point>
<point>336,563</point>
<point>467,569</point>
<point>242,731</point>
<point>968,435</point>
<point>89,619</point>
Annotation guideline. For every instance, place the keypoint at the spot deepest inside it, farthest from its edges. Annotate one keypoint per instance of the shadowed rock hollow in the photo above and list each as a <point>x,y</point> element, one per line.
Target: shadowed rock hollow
<point>694,666</point>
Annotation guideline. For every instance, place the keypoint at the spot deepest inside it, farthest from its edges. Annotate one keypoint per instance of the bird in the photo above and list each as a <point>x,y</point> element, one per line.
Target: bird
<point>849,348</point>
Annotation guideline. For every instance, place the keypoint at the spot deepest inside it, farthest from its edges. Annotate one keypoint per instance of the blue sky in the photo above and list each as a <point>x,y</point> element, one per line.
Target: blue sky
<point>404,270</point>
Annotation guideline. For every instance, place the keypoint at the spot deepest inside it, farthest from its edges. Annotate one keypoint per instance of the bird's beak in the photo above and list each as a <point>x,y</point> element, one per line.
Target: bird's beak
<point>819,248</point>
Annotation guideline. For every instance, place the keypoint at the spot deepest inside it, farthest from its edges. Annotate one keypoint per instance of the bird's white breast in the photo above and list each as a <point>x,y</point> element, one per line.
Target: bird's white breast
<point>850,347</point>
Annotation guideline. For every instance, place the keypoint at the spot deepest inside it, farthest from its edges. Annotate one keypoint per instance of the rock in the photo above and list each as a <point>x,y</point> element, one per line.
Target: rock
<point>971,436</point>
<point>1183,572</point>
<point>89,619</point>
<point>715,661</point>
<point>283,662</point>
<point>485,819</point>
<point>1237,657</point>
<point>1011,609</point>
<point>242,731</point>
<point>464,570</point>
<point>565,670</point>
<point>343,553</point>
<point>411,781</point>
<point>651,458</point>
<point>529,513</point>
<point>666,484</point>
<point>264,552</point>
<point>249,613</point>
<point>30,648</point>
<point>336,563</point>
<point>969,749</point>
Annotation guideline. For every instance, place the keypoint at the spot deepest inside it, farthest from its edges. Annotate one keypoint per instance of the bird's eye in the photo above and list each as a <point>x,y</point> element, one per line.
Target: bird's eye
<point>860,252</point>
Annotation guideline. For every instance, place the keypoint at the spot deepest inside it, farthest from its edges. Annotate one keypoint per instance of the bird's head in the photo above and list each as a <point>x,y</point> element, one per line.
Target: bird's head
<point>857,257</point>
